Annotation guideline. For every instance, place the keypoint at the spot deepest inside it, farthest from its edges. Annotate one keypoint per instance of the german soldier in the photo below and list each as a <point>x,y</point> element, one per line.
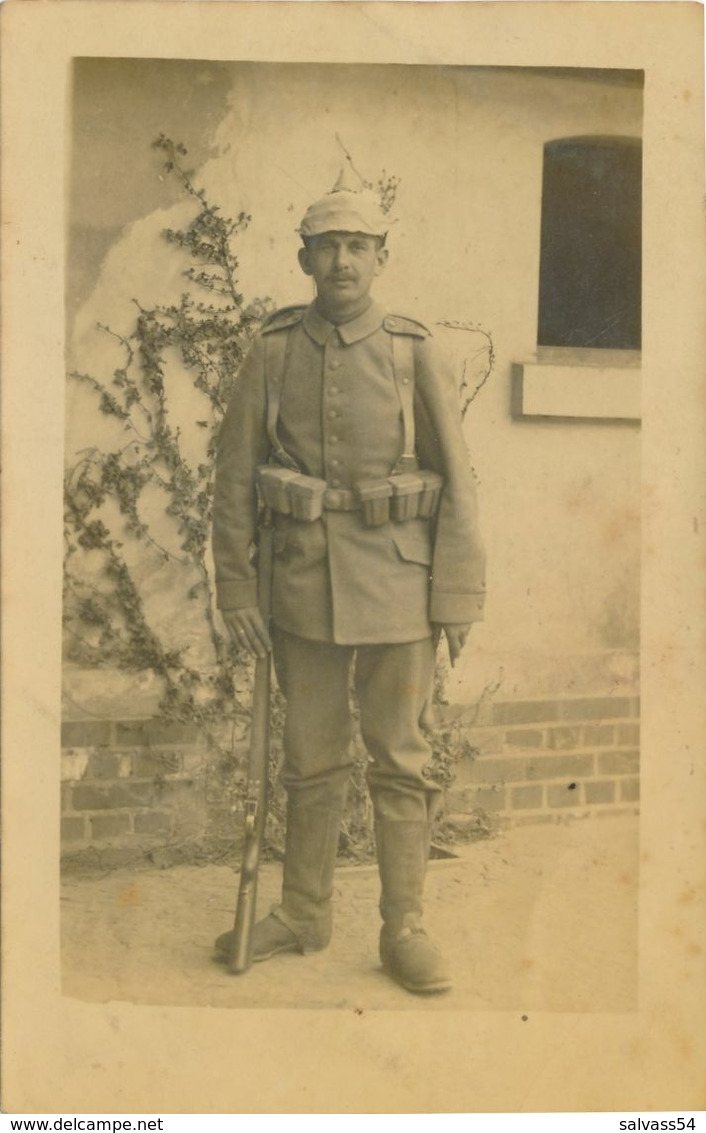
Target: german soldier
<point>377,551</point>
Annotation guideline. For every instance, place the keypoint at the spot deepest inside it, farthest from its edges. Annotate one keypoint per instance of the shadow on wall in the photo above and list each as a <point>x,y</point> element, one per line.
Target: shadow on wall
<point>619,625</point>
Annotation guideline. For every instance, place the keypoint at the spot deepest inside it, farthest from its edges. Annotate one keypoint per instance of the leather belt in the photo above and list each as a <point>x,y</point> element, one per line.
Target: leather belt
<point>399,496</point>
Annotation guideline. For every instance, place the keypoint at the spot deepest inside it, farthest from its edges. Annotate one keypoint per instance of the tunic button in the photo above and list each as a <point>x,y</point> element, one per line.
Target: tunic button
<point>333,390</point>
<point>333,440</point>
<point>334,365</point>
<point>332,414</point>
<point>335,483</point>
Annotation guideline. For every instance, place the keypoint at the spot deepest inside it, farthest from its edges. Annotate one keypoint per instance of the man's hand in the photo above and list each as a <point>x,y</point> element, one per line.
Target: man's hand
<point>248,631</point>
<point>456,635</point>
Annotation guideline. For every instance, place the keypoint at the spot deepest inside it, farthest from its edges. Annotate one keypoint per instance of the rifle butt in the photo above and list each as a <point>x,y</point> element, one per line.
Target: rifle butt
<point>240,959</point>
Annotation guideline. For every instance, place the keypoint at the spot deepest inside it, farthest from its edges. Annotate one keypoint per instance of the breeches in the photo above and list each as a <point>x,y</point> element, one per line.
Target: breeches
<point>392,684</point>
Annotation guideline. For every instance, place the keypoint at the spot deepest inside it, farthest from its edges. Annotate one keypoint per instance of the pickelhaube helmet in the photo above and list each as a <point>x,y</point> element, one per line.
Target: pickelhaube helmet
<point>349,207</point>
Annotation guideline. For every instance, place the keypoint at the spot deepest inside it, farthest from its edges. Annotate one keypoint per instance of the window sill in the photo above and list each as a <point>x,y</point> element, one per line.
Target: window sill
<point>578,385</point>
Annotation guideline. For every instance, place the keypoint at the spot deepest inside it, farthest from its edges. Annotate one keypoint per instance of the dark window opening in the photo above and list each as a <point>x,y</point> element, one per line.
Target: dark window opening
<point>591,254</point>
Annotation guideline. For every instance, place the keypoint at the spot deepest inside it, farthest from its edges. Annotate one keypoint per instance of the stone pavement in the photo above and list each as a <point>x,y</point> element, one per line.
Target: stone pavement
<point>536,918</point>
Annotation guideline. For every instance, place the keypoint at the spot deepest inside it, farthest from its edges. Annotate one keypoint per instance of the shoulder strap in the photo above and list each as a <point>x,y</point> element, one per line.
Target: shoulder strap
<point>400,324</point>
<point>283,318</point>
<point>276,357</point>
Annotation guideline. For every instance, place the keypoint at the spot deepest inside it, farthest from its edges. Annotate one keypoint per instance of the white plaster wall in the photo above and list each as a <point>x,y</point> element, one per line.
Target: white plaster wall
<point>560,502</point>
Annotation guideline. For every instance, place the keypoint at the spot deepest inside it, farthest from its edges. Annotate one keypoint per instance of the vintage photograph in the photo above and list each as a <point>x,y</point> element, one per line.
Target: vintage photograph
<point>352,589</point>
<point>352,536</point>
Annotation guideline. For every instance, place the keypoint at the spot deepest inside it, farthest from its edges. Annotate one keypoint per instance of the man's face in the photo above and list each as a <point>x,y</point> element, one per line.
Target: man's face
<point>343,265</point>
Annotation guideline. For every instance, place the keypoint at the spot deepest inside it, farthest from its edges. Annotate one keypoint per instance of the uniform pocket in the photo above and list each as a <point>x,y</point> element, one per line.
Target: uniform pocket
<point>413,546</point>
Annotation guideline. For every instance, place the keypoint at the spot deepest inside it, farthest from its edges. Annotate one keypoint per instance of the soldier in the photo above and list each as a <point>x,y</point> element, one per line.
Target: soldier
<point>377,551</point>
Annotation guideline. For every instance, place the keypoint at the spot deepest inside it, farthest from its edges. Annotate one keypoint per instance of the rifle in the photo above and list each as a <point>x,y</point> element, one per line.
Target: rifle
<point>240,958</point>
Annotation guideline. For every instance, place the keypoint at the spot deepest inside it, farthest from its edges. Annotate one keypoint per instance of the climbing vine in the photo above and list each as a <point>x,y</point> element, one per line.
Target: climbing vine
<point>104,613</point>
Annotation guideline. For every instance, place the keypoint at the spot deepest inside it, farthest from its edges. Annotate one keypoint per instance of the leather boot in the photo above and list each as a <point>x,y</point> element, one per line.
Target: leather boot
<point>269,937</point>
<point>407,954</point>
<point>303,920</point>
<point>311,846</point>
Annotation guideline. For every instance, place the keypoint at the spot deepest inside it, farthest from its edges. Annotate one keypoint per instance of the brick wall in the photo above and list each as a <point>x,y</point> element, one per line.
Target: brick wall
<point>133,786</point>
<point>538,761</point>
<point>138,786</point>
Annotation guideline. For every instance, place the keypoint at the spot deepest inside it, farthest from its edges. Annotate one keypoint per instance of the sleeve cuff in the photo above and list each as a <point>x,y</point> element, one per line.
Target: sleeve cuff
<point>447,608</point>
<point>236,595</point>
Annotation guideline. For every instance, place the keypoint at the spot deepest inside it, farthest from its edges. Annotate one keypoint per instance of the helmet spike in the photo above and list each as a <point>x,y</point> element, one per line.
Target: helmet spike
<point>348,180</point>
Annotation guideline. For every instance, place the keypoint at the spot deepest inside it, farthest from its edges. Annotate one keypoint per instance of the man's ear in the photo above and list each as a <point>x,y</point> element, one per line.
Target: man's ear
<point>304,261</point>
<point>381,259</point>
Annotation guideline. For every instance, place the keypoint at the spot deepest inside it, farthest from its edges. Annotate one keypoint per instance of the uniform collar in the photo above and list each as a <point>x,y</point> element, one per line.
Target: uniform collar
<point>319,328</point>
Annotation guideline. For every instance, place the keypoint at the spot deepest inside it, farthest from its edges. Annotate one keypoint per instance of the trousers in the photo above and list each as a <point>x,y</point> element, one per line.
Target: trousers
<point>392,684</point>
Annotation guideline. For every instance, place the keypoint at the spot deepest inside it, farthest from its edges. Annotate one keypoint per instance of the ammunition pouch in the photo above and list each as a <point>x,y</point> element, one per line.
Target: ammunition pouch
<point>399,497</point>
<point>403,496</point>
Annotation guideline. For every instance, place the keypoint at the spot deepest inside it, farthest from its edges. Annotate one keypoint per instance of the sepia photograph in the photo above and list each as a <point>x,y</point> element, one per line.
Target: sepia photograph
<point>353,524</point>
<point>362,378</point>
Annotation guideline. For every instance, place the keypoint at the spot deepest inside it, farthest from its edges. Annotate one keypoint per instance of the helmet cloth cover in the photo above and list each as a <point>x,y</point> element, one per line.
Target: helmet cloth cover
<point>345,209</point>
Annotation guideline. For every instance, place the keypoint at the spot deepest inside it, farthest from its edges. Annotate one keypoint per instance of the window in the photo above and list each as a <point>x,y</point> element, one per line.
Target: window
<point>590,258</point>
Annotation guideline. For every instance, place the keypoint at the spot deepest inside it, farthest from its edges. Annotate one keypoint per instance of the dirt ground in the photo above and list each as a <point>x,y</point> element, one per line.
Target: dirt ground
<point>536,918</point>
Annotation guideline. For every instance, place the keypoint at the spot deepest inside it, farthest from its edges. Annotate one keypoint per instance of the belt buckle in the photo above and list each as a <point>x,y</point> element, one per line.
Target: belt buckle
<point>333,498</point>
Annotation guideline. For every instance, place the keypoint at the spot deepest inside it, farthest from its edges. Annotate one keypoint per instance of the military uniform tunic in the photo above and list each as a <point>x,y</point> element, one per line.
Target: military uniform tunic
<point>340,419</point>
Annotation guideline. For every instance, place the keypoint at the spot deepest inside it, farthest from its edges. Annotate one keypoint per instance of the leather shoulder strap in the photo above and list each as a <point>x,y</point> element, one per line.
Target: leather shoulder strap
<point>403,369</point>
<point>404,331</point>
<point>276,357</point>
